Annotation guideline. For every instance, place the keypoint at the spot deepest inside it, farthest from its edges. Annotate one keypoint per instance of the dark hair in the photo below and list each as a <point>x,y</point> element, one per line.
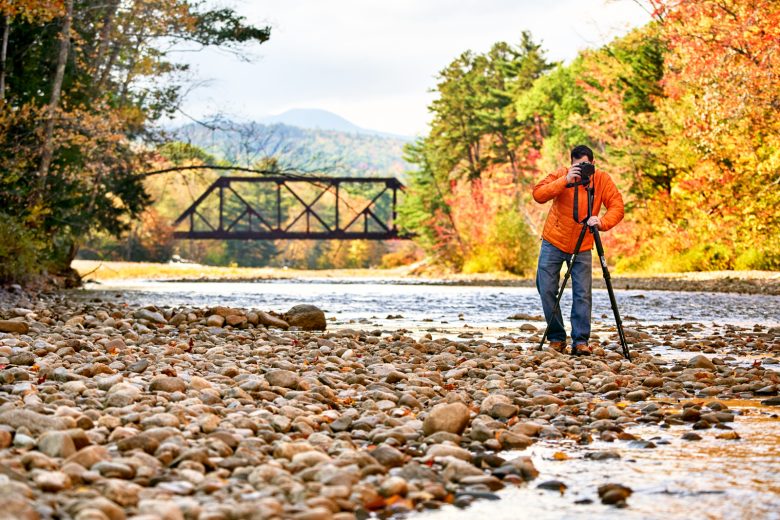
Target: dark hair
<point>578,151</point>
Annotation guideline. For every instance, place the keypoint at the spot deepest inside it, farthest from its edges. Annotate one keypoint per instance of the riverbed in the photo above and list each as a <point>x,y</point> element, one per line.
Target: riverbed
<point>675,478</point>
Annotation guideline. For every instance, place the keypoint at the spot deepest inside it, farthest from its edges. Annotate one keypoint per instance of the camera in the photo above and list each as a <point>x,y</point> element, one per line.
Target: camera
<point>586,171</point>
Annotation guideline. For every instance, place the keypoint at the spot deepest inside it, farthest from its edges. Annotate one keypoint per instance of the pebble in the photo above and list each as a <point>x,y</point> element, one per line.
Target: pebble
<point>219,413</point>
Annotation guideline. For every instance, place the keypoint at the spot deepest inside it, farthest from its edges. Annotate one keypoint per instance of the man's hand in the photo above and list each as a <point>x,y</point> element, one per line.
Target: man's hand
<point>573,175</point>
<point>594,221</point>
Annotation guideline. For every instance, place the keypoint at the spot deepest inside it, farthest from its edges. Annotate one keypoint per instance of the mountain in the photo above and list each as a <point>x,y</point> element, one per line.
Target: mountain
<point>312,118</point>
<point>317,119</point>
<point>343,151</point>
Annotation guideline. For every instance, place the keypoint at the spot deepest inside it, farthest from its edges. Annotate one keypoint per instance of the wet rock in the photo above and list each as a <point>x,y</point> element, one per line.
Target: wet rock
<point>602,455</point>
<point>614,494</point>
<point>553,485</point>
<point>452,417</point>
<point>772,401</point>
<point>306,317</point>
<point>702,362</point>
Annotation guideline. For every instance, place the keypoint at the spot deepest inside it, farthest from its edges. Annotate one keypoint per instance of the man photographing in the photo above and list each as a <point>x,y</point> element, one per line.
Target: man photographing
<point>559,239</point>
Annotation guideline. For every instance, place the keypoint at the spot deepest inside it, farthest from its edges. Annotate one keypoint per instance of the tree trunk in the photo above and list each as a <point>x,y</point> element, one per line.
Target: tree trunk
<point>6,20</point>
<point>105,38</point>
<point>56,92</point>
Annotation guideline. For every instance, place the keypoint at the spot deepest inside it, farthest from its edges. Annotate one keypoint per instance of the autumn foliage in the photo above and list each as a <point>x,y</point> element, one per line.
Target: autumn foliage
<point>682,113</point>
<point>82,86</point>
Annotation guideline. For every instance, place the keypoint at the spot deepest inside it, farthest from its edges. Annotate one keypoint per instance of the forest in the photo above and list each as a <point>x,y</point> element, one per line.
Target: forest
<point>681,113</point>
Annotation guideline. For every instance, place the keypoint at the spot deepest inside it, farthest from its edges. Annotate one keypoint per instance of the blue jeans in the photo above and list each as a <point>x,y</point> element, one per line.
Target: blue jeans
<point>548,275</point>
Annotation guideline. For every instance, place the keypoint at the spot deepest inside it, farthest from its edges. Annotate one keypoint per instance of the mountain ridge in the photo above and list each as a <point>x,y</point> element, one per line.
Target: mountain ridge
<point>320,119</point>
<point>365,154</point>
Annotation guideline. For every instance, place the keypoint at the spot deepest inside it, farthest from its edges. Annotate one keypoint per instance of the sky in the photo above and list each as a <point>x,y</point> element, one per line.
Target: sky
<point>375,62</point>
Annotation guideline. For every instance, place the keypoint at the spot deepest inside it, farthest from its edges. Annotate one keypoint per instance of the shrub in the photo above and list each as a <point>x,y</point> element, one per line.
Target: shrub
<point>21,251</point>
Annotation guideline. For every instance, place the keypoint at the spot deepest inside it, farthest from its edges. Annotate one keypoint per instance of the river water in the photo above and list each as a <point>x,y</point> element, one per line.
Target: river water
<point>709,479</point>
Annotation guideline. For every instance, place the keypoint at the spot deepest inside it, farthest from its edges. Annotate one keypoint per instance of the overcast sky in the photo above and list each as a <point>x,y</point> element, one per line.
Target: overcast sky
<point>374,62</point>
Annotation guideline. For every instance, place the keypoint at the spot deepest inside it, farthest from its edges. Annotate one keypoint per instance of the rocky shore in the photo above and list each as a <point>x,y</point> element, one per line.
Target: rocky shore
<point>109,411</point>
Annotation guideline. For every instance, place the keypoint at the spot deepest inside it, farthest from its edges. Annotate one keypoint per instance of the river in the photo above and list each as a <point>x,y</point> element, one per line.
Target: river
<point>712,478</point>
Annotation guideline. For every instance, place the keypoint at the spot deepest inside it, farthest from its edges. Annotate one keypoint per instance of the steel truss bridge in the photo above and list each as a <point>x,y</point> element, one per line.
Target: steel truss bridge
<point>285,206</point>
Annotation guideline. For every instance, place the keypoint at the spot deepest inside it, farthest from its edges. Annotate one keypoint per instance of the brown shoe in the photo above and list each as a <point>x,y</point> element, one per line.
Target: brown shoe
<point>558,346</point>
<point>581,349</point>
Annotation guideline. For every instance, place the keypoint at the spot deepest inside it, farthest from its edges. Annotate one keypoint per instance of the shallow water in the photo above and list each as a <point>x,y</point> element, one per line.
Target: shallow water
<point>478,306</point>
<point>711,478</point>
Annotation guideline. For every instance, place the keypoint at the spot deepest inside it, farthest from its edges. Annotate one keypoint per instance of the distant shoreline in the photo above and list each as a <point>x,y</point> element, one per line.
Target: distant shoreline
<point>746,282</point>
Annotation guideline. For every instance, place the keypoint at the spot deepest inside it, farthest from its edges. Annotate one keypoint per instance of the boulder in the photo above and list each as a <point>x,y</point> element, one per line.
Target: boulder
<point>306,317</point>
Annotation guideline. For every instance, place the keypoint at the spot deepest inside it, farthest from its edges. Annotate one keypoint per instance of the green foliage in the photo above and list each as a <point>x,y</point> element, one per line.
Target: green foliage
<point>510,247</point>
<point>84,90</point>
<point>705,257</point>
<point>21,250</point>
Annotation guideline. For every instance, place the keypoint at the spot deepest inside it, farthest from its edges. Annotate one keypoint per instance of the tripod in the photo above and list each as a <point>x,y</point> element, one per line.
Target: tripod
<point>589,190</point>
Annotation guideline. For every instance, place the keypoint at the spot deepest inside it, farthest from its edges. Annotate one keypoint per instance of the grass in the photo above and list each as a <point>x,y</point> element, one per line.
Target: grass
<point>97,270</point>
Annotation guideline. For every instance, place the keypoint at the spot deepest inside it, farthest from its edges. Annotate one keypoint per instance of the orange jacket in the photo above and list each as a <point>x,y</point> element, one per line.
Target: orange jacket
<point>560,229</point>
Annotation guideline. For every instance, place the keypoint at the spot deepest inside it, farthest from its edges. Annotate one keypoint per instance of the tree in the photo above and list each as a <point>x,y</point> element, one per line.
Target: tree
<point>83,85</point>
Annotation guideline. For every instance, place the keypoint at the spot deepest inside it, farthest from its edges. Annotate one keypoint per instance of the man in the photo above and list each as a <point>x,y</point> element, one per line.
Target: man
<point>559,239</point>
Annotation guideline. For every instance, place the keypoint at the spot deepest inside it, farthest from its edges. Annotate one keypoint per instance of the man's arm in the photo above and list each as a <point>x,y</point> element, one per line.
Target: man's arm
<point>551,186</point>
<point>614,203</point>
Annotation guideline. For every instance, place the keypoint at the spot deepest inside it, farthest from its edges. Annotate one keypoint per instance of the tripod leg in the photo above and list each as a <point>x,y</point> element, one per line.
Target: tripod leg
<point>565,281</point>
<point>612,300</point>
